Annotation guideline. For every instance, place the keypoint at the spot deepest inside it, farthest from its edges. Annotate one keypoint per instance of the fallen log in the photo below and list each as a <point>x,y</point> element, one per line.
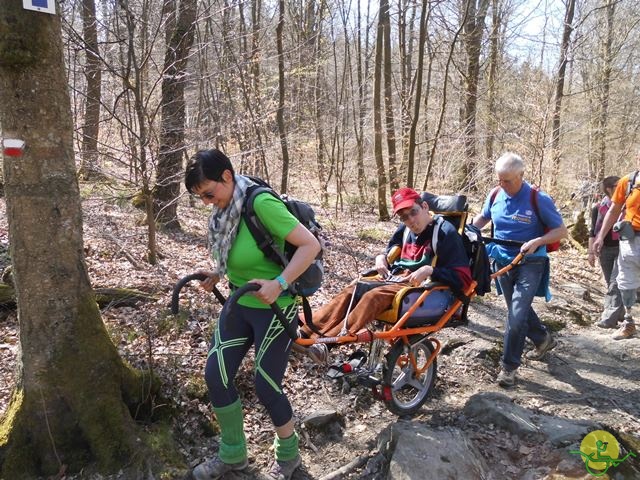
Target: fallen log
<point>115,297</point>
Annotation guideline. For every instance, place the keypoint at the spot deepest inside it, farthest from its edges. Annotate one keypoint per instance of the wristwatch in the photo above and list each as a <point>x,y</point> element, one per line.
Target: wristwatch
<point>283,283</point>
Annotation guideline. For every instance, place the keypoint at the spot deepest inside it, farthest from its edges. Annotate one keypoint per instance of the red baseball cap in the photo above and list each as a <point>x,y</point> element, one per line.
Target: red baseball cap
<point>403,198</point>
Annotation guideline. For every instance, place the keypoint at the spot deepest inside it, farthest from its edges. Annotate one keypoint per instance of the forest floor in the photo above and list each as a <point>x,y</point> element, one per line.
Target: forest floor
<point>587,376</point>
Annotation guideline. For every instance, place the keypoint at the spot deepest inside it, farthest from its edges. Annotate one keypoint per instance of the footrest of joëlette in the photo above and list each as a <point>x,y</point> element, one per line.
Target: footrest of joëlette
<point>354,362</point>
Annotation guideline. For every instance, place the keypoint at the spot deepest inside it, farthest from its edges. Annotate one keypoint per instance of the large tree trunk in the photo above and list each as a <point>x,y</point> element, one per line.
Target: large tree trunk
<point>557,108</point>
<point>168,175</point>
<point>93,75</point>
<point>69,405</point>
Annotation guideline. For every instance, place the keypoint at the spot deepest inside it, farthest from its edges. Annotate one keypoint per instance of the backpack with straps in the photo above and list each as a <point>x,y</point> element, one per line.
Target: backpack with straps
<point>479,262</point>
<point>551,247</point>
<point>311,279</point>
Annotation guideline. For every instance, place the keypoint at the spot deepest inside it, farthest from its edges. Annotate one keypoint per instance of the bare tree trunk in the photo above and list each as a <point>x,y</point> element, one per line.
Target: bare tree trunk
<point>362,64</point>
<point>564,53</point>
<point>473,30</point>
<point>388,96</point>
<point>180,35</point>
<point>68,407</point>
<point>281,98</point>
<point>443,105</point>
<point>494,58</point>
<point>605,88</point>
<point>383,213</point>
<point>93,75</point>
<point>417,98</point>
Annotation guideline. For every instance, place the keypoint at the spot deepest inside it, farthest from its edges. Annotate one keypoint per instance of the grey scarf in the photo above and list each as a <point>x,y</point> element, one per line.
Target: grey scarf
<point>223,225</point>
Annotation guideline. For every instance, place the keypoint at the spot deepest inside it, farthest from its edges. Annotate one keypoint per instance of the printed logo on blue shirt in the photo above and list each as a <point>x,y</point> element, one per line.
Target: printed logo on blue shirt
<point>522,218</point>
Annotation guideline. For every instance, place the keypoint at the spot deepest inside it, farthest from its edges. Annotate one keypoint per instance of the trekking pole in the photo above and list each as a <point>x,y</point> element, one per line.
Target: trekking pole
<point>345,323</point>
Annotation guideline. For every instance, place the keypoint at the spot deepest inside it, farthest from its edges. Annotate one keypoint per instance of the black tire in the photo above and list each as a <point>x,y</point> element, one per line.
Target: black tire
<point>408,393</point>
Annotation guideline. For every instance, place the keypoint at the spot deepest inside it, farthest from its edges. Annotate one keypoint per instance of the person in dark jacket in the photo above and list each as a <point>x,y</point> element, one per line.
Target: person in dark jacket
<point>416,264</point>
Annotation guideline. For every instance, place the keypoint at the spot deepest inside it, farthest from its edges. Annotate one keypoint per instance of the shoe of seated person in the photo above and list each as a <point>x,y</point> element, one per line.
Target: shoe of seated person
<point>541,350</point>
<point>627,330</point>
<point>216,468</point>
<point>283,469</point>
<point>506,378</point>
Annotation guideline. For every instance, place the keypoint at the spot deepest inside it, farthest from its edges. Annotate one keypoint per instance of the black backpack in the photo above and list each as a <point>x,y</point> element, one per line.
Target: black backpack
<point>479,263</point>
<point>310,281</point>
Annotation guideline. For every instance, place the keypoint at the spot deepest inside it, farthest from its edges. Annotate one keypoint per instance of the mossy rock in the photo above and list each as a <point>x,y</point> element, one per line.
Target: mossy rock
<point>554,325</point>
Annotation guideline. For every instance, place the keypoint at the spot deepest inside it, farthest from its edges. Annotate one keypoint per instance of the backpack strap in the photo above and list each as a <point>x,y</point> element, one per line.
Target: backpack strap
<point>632,183</point>
<point>434,237</point>
<point>534,204</point>
<point>492,198</point>
<point>261,235</point>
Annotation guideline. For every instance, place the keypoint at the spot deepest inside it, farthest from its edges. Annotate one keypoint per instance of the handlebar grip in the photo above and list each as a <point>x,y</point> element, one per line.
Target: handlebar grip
<point>175,297</point>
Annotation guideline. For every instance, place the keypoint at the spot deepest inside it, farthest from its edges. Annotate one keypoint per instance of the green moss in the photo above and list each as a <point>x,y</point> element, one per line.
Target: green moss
<point>159,437</point>
<point>495,354</point>
<point>554,325</point>
<point>373,234</point>
<point>168,322</point>
<point>16,455</point>
<point>196,388</point>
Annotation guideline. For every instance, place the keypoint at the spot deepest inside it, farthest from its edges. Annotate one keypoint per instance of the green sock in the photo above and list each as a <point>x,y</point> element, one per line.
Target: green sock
<point>286,448</point>
<point>233,444</point>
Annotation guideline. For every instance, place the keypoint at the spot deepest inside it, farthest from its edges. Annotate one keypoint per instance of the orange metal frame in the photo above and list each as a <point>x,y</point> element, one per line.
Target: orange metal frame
<point>397,331</point>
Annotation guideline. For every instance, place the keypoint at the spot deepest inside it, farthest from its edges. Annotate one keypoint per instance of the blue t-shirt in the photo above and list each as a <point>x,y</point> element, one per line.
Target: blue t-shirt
<point>514,218</point>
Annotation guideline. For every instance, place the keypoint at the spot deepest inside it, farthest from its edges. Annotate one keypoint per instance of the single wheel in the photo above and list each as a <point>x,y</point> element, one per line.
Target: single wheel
<point>408,384</point>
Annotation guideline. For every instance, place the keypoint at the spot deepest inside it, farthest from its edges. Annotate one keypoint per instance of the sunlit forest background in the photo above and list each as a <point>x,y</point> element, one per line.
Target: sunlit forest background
<point>345,100</point>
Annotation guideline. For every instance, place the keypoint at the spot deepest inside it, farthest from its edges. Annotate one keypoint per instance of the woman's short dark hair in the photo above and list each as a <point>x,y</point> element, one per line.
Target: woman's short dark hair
<point>206,165</point>
<point>609,182</point>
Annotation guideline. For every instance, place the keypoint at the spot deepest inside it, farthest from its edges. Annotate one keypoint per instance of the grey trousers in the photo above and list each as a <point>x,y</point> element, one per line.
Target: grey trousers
<point>613,308</point>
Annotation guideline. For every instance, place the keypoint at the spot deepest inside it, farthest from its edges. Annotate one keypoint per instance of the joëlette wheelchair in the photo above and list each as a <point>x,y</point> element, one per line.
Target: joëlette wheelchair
<point>400,367</point>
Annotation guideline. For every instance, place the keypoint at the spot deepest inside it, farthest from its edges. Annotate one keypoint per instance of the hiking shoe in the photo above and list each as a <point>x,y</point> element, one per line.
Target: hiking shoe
<point>216,468</point>
<point>606,324</point>
<point>627,330</point>
<point>318,352</point>
<point>541,350</point>
<point>283,469</point>
<point>506,378</point>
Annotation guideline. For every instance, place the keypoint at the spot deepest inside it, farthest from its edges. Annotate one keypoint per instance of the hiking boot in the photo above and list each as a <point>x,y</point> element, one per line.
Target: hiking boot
<point>541,350</point>
<point>606,324</point>
<point>283,469</point>
<point>506,378</point>
<point>318,352</point>
<point>627,330</point>
<point>216,468</point>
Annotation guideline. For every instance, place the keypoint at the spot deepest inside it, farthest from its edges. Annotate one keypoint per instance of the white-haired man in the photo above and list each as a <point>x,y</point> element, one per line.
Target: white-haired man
<point>520,213</point>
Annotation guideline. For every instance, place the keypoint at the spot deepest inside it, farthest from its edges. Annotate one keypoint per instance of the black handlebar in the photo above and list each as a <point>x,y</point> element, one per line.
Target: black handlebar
<point>228,304</point>
<point>175,297</point>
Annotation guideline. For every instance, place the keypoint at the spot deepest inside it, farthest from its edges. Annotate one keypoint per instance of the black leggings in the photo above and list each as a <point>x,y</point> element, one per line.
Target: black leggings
<point>229,346</point>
